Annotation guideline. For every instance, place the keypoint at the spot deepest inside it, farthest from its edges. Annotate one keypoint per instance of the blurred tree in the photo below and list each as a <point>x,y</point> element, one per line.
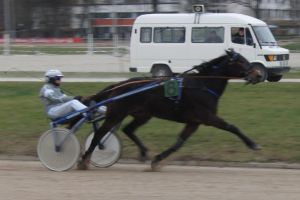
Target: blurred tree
<point>42,18</point>
<point>154,5</point>
<point>1,18</point>
<point>52,17</point>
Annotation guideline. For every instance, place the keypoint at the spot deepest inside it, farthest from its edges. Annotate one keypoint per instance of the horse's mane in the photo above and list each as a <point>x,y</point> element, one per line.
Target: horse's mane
<point>203,67</point>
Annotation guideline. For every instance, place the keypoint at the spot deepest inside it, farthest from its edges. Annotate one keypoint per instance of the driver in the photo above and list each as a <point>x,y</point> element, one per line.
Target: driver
<point>239,37</point>
<point>57,104</point>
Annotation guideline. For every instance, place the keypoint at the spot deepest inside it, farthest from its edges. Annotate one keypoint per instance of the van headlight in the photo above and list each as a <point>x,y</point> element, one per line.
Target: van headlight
<point>271,57</point>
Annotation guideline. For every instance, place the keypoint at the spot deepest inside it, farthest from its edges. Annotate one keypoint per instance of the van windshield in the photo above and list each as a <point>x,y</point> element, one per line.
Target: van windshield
<point>264,36</point>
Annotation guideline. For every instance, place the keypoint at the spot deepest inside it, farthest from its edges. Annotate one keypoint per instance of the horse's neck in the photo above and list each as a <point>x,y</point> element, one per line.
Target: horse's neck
<point>216,85</point>
<point>218,81</point>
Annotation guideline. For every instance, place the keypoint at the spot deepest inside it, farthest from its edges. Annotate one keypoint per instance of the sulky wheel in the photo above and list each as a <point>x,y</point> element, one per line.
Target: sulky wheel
<point>107,152</point>
<point>59,158</point>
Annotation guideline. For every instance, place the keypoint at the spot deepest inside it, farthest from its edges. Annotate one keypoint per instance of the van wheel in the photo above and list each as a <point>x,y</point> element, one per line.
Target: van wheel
<point>161,70</point>
<point>275,78</point>
<point>263,73</point>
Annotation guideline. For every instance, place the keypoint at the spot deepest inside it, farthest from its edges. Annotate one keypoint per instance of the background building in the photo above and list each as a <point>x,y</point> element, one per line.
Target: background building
<point>106,19</point>
<point>283,13</point>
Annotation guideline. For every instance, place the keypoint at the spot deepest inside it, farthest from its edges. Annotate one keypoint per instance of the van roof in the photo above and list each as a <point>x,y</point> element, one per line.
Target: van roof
<point>205,18</point>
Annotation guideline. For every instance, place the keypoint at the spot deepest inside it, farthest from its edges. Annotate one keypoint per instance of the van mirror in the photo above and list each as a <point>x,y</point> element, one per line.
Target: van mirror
<point>254,45</point>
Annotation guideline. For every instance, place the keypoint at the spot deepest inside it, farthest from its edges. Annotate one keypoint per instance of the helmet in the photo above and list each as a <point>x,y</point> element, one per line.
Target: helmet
<point>52,74</point>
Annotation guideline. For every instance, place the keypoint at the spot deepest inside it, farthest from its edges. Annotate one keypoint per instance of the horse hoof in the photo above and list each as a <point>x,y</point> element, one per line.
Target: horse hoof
<point>143,158</point>
<point>255,147</point>
<point>155,166</point>
<point>83,165</point>
<point>258,147</point>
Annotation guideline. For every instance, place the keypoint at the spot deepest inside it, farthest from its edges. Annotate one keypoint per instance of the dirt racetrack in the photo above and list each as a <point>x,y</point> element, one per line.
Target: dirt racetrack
<point>28,180</point>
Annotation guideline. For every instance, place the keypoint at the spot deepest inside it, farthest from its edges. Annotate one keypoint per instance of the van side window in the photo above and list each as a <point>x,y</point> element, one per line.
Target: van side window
<point>146,35</point>
<point>169,35</point>
<point>208,35</point>
<point>238,35</point>
<point>249,39</point>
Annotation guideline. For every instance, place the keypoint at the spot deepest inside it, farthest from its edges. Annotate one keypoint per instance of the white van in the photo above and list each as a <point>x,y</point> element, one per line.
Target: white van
<point>171,43</point>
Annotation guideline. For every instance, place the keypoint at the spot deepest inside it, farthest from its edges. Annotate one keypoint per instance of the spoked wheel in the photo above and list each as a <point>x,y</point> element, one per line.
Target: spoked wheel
<point>107,152</point>
<point>59,158</point>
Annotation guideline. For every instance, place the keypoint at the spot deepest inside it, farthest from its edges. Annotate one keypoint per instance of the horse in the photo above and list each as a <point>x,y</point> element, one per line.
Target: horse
<point>199,96</point>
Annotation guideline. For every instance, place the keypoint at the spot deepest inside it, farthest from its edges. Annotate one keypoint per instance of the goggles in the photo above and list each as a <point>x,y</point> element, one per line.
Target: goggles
<point>57,78</point>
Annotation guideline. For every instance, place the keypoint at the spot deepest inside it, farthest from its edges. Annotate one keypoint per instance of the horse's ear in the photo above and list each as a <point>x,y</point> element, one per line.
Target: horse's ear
<point>232,54</point>
<point>230,51</point>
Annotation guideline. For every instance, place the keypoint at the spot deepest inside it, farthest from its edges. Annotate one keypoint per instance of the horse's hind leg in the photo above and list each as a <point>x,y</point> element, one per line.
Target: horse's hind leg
<point>129,130</point>
<point>221,124</point>
<point>188,130</point>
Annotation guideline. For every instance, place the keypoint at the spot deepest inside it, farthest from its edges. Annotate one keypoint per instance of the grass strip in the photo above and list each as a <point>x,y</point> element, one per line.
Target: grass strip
<point>268,113</point>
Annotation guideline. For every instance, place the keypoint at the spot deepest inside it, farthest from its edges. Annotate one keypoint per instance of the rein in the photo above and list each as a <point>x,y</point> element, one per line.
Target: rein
<point>129,83</point>
<point>162,78</point>
<point>216,77</point>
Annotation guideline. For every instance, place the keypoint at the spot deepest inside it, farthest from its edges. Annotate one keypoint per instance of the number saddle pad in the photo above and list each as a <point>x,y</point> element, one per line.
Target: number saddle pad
<point>172,88</point>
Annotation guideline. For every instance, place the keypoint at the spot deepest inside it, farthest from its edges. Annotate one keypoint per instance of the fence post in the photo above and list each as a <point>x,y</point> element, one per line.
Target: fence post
<point>90,40</point>
<point>7,28</point>
<point>115,36</point>
<point>6,47</point>
<point>90,36</point>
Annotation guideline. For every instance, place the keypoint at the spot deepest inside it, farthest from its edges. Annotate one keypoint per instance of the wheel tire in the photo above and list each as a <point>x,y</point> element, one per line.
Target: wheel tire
<point>110,154</point>
<point>65,158</point>
<point>262,71</point>
<point>274,78</point>
<point>161,70</point>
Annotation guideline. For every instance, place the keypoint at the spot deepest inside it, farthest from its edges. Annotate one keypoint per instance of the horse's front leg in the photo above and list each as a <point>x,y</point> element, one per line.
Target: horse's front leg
<point>188,130</point>
<point>83,164</point>
<point>129,130</point>
<point>217,122</point>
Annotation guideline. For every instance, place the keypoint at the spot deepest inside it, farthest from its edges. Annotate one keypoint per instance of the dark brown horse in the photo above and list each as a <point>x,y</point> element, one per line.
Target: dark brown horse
<point>196,105</point>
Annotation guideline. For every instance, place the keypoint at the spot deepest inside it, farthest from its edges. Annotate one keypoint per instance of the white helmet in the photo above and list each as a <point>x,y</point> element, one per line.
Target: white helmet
<point>52,73</point>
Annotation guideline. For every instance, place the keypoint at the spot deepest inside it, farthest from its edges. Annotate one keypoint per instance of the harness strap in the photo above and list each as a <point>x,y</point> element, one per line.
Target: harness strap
<point>212,92</point>
<point>180,86</point>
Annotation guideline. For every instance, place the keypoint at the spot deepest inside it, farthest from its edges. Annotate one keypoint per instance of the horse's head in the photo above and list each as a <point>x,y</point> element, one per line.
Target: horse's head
<point>237,65</point>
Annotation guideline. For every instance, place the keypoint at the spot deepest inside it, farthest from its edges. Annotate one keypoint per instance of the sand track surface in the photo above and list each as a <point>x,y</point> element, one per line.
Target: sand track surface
<point>29,180</point>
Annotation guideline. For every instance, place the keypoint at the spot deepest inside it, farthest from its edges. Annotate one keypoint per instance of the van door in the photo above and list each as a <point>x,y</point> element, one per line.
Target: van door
<point>243,42</point>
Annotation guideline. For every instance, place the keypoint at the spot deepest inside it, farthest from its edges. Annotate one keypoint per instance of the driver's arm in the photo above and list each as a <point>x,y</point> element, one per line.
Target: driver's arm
<point>56,96</point>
